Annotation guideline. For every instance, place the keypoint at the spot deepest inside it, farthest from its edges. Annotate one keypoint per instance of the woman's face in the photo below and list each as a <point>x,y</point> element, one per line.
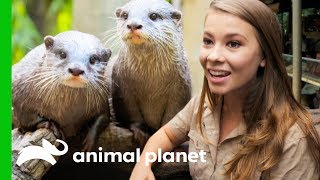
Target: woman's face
<point>230,54</point>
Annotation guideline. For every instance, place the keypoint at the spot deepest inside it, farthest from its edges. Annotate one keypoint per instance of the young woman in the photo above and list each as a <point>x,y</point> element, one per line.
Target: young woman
<point>246,118</point>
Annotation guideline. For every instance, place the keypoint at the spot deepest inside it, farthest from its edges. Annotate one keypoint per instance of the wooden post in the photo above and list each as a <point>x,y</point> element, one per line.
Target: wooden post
<point>296,48</point>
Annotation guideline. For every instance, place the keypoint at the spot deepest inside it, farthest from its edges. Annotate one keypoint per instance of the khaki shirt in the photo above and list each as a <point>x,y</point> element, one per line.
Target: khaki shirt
<point>295,163</point>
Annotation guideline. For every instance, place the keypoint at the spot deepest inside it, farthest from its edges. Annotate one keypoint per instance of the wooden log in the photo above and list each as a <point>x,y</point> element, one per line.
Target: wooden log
<point>32,169</point>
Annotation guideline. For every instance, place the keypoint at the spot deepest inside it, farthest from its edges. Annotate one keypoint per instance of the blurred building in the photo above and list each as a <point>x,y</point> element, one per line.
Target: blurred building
<point>97,17</point>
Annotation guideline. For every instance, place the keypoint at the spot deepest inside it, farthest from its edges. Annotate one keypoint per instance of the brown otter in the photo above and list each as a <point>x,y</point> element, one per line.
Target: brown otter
<point>61,85</point>
<point>151,76</point>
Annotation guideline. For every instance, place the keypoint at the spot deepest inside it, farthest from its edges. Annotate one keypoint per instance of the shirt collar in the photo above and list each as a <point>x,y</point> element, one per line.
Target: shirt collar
<point>211,121</point>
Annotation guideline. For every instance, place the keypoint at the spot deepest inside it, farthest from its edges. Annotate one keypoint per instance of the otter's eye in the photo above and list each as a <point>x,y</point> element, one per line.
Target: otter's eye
<point>124,15</point>
<point>62,55</point>
<point>94,58</point>
<point>154,16</point>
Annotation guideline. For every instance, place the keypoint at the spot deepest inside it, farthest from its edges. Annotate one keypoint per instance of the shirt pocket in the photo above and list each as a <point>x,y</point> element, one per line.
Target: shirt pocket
<point>198,169</point>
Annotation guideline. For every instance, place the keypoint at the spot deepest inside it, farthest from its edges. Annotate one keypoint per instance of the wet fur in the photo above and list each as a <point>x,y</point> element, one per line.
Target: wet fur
<point>37,88</point>
<point>151,81</point>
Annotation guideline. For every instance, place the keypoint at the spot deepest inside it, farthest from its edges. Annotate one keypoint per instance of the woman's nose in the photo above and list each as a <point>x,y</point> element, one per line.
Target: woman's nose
<point>216,54</point>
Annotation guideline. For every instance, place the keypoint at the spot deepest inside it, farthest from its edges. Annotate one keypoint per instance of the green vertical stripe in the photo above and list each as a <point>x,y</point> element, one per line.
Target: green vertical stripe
<point>5,90</point>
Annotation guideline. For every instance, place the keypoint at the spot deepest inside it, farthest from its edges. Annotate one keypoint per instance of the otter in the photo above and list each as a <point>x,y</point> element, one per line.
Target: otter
<point>61,85</point>
<point>151,78</point>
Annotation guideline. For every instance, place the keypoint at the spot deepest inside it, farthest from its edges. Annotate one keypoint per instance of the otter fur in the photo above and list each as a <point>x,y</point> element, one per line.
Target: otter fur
<point>151,79</point>
<point>62,81</point>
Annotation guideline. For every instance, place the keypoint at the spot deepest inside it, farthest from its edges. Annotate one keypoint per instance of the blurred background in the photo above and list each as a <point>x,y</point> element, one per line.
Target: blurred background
<point>34,19</point>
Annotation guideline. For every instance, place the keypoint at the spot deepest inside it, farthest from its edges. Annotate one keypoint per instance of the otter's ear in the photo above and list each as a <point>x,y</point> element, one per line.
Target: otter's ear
<point>48,41</point>
<point>106,54</point>
<point>176,15</point>
<point>118,12</point>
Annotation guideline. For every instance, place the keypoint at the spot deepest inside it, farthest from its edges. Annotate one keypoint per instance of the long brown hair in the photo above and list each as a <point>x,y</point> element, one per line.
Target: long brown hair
<point>269,109</point>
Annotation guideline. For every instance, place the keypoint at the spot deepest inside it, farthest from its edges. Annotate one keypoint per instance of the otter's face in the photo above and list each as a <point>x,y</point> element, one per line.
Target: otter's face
<point>148,22</point>
<point>76,60</point>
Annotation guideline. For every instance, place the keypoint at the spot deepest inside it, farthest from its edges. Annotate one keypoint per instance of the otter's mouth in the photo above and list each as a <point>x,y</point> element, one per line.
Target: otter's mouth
<point>135,38</point>
<point>75,82</point>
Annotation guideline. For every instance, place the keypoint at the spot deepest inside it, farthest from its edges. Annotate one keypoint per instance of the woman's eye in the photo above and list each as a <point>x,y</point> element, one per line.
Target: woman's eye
<point>62,55</point>
<point>207,41</point>
<point>234,44</point>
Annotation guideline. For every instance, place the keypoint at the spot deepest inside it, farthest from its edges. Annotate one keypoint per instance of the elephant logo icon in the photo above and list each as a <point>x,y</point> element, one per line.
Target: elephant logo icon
<point>45,152</point>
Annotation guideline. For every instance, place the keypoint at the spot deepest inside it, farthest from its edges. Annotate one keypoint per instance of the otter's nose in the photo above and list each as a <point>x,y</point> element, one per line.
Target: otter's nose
<point>134,26</point>
<point>75,71</point>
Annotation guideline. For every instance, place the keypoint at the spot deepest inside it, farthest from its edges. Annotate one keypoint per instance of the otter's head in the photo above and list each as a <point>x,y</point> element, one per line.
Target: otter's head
<point>74,59</point>
<point>149,22</point>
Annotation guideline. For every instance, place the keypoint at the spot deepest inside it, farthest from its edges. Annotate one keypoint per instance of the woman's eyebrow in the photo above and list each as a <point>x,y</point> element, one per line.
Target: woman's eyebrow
<point>207,33</point>
<point>236,34</point>
<point>228,35</point>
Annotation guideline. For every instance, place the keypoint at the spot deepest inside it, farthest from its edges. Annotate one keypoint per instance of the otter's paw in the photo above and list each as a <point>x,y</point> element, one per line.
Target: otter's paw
<point>89,142</point>
<point>53,127</point>
<point>94,131</point>
<point>139,136</point>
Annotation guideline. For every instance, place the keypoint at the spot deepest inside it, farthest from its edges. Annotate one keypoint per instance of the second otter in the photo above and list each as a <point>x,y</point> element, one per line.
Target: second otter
<point>151,77</point>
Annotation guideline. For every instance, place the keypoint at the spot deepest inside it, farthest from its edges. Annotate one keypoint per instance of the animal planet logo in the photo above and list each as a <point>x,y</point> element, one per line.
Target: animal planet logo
<point>45,152</point>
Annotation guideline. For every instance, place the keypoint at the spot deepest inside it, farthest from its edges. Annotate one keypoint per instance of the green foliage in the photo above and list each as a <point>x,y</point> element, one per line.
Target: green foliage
<point>25,36</point>
<point>308,12</point>
<point>284,20</point>
<point>61,11</point>
<point>25,33</point>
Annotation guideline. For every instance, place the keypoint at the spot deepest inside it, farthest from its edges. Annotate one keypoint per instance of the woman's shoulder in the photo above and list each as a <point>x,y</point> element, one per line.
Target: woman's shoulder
<point>294,135</point>
<point>194,103</point>
<point>296,161</point>
<point>195,100</point>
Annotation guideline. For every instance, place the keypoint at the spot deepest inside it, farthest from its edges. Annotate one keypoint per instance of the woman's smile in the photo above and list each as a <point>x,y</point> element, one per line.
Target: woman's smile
<point>218,76</point>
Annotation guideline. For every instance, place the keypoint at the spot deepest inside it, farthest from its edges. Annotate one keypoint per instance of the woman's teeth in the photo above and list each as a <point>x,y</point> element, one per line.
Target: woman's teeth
<point>219,73</point>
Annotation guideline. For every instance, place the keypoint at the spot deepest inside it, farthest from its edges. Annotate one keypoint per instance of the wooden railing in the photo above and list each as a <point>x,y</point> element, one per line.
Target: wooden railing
<point>307,76</point>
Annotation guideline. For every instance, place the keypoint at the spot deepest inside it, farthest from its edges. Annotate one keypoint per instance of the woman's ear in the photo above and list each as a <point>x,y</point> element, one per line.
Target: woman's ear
<point>263,62</point>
